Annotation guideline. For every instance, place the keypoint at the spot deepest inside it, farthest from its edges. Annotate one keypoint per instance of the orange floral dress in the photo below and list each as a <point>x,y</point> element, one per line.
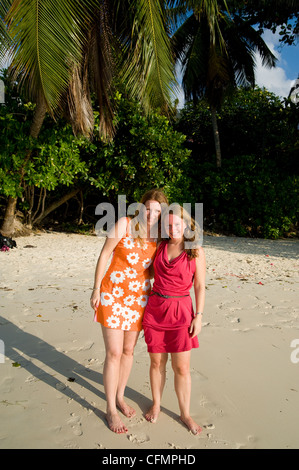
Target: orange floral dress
<point>126,285</point>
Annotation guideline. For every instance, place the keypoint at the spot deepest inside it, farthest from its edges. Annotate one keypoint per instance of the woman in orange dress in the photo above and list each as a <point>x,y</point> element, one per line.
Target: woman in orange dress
<point>120,296</point>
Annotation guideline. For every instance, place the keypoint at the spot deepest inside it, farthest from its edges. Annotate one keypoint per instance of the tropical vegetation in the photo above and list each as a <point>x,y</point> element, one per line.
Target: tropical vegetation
<point>214,65</point>
<point>256,191</point>
<point>89,109</point>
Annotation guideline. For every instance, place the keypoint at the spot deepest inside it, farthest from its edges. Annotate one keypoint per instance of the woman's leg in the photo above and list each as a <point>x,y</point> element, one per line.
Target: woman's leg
<point>182,385</point>
<point>157,379</point>
<point>130,340</point>
<point>114,340</point>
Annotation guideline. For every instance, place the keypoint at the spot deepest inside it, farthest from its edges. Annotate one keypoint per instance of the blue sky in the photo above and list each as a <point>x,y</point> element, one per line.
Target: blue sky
<point>280,79</point>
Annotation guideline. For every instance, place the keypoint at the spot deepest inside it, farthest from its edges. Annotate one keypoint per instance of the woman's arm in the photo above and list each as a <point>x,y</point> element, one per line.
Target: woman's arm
<point>199,291</point>
<point>118,232</point>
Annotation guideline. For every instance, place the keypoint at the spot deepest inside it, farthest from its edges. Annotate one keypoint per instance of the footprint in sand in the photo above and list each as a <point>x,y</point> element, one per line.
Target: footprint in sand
<point>138,439</point>
<point>75,423</point>
<point>7,385</point>
<point>174,446</point>
<point>209,426</point>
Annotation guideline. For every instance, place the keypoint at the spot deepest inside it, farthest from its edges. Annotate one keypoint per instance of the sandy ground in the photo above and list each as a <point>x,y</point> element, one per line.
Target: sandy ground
<point>245,375</point>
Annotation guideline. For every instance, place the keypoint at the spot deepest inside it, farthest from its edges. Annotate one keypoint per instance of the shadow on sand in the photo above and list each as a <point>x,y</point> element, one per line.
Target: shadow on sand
<point>258,246</point>
<point>25,348</point>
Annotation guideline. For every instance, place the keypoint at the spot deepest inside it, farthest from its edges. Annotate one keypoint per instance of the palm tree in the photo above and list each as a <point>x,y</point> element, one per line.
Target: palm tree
<point>54,43</point>
<point>62,50</point>
<point>216,61</point>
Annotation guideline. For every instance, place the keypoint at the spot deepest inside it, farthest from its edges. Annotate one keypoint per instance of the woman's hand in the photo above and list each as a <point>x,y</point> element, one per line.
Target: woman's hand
<point>95,299</point>
<point>195,327</point>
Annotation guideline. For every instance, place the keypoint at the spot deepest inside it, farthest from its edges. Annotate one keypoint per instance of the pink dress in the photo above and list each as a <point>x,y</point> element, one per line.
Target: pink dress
<point>166,321</point>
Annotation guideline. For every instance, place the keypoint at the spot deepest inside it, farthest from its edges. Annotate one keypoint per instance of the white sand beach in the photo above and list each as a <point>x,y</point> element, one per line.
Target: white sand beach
<point>245,374</point>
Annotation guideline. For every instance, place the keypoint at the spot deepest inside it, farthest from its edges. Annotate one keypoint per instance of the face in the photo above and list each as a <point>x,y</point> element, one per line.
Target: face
<point>176,226</point>
<point>153,211</point>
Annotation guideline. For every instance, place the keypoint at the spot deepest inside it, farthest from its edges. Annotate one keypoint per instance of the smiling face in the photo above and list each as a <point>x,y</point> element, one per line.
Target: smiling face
<point>175,226</point>
<point>153,211</point>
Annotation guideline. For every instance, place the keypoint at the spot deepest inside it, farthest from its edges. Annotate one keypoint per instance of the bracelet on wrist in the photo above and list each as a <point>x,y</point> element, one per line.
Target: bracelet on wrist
<point>198,313</point>
<point>96,288</point>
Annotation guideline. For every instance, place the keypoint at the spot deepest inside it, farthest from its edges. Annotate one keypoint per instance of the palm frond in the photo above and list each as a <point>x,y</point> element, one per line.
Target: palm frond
<point>103,68</point>
<point>46,43</point>
<point>256,43</point>
<point>177,13</point>
<point>194,56</point>
<point>242,42</point>
<point>149,69</point>
<point>210,10</point>
<point>79,102</point>
<point>183,38</point>
<point>94,75</point>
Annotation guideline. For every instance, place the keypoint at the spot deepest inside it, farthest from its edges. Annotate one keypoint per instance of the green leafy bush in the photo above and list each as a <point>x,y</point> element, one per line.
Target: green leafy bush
<point>51,161</point>
<point>247,198</point>
<point>146,152</point>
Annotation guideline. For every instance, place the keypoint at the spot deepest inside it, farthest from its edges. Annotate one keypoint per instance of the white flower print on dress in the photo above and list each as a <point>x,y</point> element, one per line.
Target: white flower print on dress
<point>117,277</point>
<point>113,321</point>
<point>133,258</point>
<point>129,243</point>
<point>142,300</point>
<point>143,247</point>
<point>146,263</point>
<point>129,300</point>
<point>106,299</point>
<point>134,286</point>
<point>117,292</point>
<point>126,313</point>
<point>134,316</point>
<point>146,285</point>
<point>130,315</point>
<point>117,309</point>
<point>131,273</point>
<point>126,325</point>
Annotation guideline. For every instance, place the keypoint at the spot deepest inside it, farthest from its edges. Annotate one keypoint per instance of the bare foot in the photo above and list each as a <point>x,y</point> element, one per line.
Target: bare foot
<point>191,425</point>
<point>115,423</point>
<point>153,413</point>
<point>126,409</point>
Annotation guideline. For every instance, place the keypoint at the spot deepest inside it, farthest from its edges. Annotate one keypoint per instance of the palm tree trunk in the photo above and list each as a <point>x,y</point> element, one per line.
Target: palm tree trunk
<point>216,137</point>
<point>7,228</point>
<point>38,118</point>
<point>8,225</point>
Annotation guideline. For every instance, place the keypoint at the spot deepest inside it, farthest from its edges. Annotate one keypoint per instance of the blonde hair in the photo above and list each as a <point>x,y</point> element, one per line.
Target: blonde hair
<point>191,232</point>
<point>140,227</point>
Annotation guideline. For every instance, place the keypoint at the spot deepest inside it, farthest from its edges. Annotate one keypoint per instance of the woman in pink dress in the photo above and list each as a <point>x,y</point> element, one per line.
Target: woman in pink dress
<point>170,324</point>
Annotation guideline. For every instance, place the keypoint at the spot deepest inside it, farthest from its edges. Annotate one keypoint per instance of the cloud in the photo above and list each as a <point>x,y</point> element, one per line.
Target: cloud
<point>274,79</point>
